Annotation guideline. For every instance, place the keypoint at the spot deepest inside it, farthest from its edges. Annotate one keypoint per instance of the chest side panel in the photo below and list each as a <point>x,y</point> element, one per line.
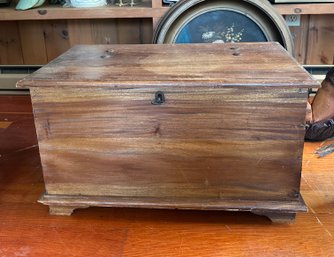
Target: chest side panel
<point>242,143</point>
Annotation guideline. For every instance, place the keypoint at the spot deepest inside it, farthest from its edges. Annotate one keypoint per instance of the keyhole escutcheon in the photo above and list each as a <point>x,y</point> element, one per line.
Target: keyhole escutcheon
<point>159,98</point>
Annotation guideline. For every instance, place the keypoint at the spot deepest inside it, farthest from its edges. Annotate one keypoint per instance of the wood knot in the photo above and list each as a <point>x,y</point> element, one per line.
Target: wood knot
<point>236,50</point>
<point>107,54</point>
<point>42,12</point>
<point>298,10</point>
<point>157,130</point>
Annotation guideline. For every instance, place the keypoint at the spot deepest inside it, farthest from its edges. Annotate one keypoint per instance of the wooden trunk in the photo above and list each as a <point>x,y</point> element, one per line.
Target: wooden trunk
<point>207,126</point>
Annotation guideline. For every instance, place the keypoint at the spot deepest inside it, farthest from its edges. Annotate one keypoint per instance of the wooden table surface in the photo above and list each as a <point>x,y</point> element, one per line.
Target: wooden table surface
<point>26,228</point>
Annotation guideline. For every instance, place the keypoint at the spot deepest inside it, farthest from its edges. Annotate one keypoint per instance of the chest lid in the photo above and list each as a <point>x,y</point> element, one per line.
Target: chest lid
<point>201,65</point>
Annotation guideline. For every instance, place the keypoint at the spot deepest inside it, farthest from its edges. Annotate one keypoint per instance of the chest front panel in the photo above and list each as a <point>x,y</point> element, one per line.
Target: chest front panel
<point>239,143</point>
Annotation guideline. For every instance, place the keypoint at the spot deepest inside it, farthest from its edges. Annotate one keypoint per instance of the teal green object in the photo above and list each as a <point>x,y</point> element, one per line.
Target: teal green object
<point>27,4</point>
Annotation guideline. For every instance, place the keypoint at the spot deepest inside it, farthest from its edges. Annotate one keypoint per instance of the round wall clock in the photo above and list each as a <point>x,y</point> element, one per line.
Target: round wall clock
<point>213,21</point>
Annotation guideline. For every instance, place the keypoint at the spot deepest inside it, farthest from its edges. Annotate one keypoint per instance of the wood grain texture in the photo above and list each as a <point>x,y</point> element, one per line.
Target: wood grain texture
<point>302,8</point>
<point>14,137</point>
<point>66,204</point>
<point>109,31</point>
<point>80,32</point>
<point>300,38</point>
<point>10,47</point>
<point>321,36</point>
<point>33,42</point>
<point>27,229</point>
<point>135,66</point>
<point>56,38</point>
<point>39,42</point>
<point>217,137</point>
<point>130,147</point>
<point>133,34</point>
<point>142,10</point>
<point>111,25</point>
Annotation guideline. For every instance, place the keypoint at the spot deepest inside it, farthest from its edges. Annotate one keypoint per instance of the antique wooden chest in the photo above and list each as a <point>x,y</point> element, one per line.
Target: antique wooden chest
<point>200,126</point>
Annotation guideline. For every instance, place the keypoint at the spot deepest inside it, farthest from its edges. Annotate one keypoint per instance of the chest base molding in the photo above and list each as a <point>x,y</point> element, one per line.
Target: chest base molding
<point>276,211</point>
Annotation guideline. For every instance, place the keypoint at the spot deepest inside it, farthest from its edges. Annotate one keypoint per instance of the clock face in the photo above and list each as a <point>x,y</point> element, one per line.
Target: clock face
<point>220,26</point>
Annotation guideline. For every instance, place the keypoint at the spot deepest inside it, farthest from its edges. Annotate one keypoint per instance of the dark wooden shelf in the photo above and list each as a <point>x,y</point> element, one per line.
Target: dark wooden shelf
<point>322,8</point>
<point>38,35</point>
<point>142,10</point>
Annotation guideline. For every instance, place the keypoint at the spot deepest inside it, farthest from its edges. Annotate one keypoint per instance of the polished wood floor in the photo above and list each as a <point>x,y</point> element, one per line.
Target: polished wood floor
<point>26,228</point>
